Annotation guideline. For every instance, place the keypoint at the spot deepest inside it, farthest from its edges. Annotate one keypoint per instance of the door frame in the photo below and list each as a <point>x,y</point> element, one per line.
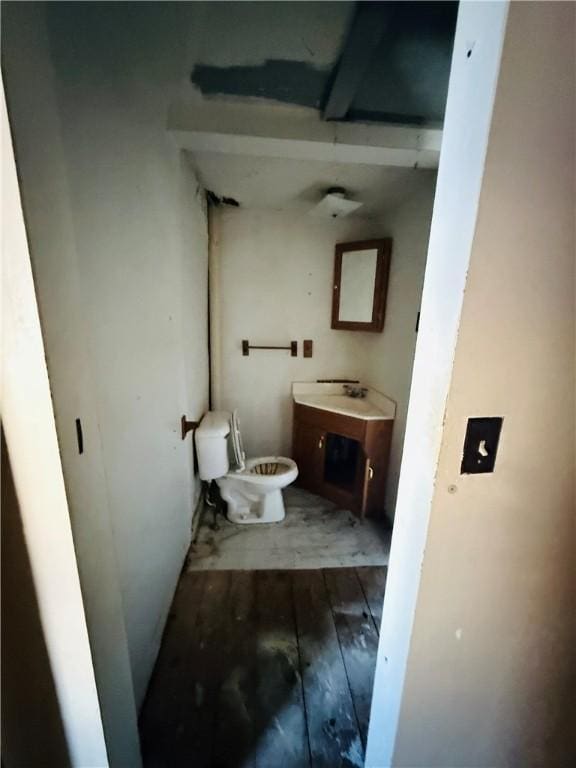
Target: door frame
<point>32,443</point>
<point>472,86</point>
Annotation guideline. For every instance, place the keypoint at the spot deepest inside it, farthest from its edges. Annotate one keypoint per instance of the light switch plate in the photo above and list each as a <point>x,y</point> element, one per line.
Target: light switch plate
<point>481,445</point>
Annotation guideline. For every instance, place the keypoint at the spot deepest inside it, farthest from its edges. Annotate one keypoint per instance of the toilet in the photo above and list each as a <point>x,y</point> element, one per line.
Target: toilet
<point>252,488</point>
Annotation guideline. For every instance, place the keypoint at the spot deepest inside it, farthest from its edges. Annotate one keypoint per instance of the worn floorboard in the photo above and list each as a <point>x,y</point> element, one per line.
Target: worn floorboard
<point>373,581</point>
<point>159,718</point>
<point>282,738</point>
<point>262,669</point>
<point>333,729</point>
<point>235,729</point>
<point>357,637</point>
<point>196,715</point>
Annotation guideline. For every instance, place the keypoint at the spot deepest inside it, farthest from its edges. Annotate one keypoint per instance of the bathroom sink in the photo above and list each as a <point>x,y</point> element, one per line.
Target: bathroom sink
<point>341,404</point>
<point>329,397</point>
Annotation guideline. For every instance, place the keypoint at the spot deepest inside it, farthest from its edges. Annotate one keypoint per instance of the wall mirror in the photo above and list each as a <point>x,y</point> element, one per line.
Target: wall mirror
<point>360,284</point>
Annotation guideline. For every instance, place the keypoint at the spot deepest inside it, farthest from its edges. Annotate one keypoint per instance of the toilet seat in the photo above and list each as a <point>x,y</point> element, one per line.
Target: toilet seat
<point>252,473</point>
<point>237,445</point>
<point>268,469</point>
<point>260,468</point>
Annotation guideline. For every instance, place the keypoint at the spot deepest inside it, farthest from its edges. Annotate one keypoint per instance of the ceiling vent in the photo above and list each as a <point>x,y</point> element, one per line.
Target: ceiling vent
<point>335,205</point>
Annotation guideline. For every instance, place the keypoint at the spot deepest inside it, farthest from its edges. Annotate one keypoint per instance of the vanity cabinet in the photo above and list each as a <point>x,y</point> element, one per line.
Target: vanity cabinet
<point>342,458</point>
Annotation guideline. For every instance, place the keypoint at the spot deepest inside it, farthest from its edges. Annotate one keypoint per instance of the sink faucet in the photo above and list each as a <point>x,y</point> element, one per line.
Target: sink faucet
<point>351,391</point>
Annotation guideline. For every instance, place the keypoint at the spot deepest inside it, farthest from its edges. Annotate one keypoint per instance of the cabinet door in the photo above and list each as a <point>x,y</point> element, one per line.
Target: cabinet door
<point>363,484</point>
<point>377,454</point>
<point>309,448</point>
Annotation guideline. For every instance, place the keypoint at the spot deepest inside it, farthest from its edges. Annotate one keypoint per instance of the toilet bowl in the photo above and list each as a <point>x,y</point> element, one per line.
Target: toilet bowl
<point>252,488</point>
<point>253,494</point>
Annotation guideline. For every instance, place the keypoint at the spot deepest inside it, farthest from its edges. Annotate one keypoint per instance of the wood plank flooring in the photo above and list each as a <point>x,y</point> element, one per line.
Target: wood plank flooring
<point>265,669</point>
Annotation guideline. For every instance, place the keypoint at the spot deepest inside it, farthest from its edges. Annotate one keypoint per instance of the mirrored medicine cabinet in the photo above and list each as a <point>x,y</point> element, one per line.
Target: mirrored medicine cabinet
<point>360,284</point>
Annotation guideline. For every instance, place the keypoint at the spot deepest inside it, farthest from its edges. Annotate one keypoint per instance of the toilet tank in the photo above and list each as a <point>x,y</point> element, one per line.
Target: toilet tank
<point>211,439</point>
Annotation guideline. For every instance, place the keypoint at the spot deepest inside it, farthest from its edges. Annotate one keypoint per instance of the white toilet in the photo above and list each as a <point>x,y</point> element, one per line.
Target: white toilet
<point>251,487</point>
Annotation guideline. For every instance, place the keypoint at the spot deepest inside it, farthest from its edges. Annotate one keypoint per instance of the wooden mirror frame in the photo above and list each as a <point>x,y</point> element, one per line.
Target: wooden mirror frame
<point>384,249</point>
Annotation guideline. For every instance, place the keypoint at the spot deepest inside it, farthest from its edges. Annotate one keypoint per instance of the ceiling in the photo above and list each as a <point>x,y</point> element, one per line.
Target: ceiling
<point>298,185</point>
<point>384,62</point>
<point>345,62</point>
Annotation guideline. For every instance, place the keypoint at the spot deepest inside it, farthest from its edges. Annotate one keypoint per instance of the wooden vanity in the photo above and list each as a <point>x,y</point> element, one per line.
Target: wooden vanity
<point>340,456</point>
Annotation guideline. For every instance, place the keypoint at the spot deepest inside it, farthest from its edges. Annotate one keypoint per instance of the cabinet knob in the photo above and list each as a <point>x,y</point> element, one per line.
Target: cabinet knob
<point>321,442</point>
<point>370,473</point>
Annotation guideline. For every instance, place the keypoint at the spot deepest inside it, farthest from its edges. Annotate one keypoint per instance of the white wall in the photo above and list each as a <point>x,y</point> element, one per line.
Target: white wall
<point>275,281</point>
<point>276,271</point>
<point>390,355</point>
<point>137,274</point>
<point>51,236</point>
<point>490,674</point>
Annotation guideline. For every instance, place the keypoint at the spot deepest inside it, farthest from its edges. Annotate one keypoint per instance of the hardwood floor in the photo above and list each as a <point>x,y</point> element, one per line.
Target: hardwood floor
<point>265,669</point>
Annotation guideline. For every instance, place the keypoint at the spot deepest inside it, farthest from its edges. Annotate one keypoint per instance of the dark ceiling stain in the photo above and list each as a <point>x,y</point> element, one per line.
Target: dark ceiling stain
<point>292,82</point>
<point>378,116</point>
<point>406,80</point>
<point>217,201</point>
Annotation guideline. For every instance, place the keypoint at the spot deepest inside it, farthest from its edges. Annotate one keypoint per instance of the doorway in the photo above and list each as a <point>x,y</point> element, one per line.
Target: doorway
<point>142,644</point>
<point>271,264</point>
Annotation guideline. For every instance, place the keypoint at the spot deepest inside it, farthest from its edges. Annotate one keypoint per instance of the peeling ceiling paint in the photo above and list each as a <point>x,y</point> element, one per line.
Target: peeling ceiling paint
<point>267,54</point>
<point>291,82</point>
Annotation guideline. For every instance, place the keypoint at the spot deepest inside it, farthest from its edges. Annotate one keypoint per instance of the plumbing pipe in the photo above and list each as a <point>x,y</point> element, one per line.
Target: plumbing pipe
<point>214,308</point>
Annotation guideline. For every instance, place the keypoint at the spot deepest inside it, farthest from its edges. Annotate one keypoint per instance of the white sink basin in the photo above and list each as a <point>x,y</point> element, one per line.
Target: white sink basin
<point>329,397</point>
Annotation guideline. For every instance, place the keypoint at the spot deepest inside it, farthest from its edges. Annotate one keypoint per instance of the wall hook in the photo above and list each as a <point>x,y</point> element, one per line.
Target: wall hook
<point>187,426</point>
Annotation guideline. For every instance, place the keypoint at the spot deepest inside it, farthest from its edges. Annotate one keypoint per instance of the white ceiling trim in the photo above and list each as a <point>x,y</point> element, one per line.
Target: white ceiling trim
<point>272,131</point>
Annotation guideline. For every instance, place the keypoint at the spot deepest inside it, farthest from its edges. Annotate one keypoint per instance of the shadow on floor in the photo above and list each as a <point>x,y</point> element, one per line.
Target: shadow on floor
<point>265,668</point>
